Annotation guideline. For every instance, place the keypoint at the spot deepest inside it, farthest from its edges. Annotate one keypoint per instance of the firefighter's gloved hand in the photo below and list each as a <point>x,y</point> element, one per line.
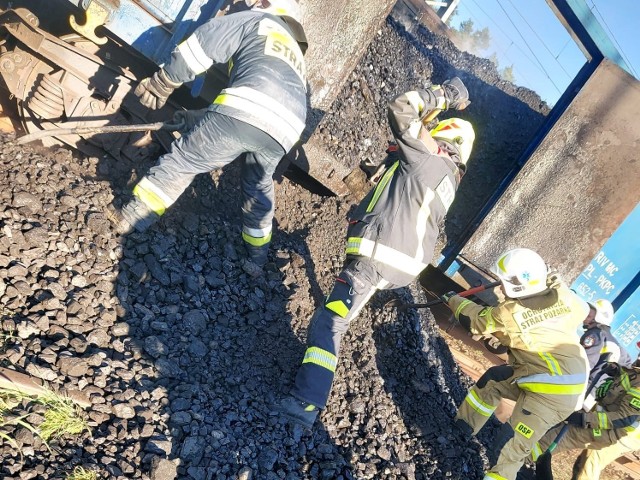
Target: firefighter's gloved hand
<point>604,388</point>
<point>456,94</point>
<point>188,119</point>
<point>154,91</point>
<point>447,296</point>
<point>578,419</point>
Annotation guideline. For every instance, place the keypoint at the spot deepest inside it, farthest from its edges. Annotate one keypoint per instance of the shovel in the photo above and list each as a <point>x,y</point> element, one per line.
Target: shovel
<point>397,303</point>
<point>32,137</point>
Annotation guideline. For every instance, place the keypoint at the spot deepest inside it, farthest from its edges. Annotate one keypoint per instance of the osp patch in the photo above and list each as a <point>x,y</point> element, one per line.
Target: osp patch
<point>635,403</point>
<point>524,430</point>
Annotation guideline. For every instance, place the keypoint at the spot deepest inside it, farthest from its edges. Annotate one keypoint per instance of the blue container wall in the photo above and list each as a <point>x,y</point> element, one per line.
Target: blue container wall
<point>613,274</point>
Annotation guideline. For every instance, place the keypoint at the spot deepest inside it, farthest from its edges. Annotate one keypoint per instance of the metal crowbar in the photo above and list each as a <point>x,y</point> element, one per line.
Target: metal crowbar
<point>397,303</point>
<point>88,130</point>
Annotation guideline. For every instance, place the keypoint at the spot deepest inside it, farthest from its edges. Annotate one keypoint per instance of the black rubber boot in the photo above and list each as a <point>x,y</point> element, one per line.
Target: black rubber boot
<point>119,223</point>
<point>297,411</point>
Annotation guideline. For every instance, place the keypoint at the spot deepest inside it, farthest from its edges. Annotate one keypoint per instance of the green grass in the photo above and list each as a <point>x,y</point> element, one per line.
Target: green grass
<point>81,473</point>
<point>61,415</point>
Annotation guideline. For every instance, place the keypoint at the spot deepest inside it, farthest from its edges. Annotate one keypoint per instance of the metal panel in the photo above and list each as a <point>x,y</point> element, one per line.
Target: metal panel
<point>613,274</point>
<point>578,186</point>
<point>616,264</point>
<point>626,324</point>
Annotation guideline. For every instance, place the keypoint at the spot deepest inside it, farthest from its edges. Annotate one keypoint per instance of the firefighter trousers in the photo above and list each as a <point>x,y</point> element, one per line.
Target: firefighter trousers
<point>532,416</point>
<point>592,461</point>
<point>353,288</point>
<point>215,142</point>
<point>597,441</point>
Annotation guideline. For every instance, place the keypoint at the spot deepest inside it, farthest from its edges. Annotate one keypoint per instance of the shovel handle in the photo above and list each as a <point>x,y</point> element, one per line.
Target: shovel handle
<point>465,293</point>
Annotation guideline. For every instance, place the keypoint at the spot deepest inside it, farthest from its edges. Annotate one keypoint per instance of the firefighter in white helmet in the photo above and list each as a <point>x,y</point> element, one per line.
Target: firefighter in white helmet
<point>259,116</point>
<point>547,368</point>
<point>392,234</point>
<point>598,341</point>
<point>601,346</point>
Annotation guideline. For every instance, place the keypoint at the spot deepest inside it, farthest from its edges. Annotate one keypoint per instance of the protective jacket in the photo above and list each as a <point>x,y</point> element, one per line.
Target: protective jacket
<point>397,224</point>
<point>540,331</point>
<point>620,405</point>
<point>267,73</point>
<point>601,346</point>
<point>614,421</point>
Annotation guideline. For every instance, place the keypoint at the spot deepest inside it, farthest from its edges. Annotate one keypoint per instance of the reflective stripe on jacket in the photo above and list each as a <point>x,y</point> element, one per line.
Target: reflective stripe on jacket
<point>540,331</point>
<point>397,223</point>
<point>267,74</point>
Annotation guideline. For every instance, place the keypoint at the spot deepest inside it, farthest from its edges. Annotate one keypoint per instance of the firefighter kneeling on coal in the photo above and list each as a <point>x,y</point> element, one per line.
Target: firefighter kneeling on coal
<point>392,235</point>
<point>615,420</point>
<point>547,369</point>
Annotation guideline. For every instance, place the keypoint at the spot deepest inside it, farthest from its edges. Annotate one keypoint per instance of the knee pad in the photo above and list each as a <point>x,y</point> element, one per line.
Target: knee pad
<point>339,300</point>
<point>498,373</point>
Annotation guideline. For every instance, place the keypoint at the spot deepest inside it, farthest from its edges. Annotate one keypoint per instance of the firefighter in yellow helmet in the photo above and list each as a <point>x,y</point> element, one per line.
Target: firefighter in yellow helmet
<point>392,233</point>
<point>547,369</point>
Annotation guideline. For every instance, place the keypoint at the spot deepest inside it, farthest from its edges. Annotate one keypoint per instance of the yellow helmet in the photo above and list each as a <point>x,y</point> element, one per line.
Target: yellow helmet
<point>458,133</point>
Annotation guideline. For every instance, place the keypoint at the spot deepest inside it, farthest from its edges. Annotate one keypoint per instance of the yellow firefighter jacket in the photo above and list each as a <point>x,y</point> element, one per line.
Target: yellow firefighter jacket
<point>541,333</point>
<point>620,405</point>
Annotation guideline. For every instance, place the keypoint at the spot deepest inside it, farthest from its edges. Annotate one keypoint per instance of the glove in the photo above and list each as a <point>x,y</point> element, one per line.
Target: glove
<point>188,118</point>
<point>447,296</point>
<point>577,419</point>
<point>602,390</point>
<point>456,94</point>
<point>154,91</point>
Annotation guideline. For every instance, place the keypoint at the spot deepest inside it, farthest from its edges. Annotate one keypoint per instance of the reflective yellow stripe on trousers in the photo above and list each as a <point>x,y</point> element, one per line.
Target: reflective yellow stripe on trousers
<point>152,196</point>
<point>493,476</point>
<point>321,358</point>
<point>478,405</point>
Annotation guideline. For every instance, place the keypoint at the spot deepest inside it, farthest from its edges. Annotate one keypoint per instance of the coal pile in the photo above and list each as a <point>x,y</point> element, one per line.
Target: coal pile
<point>182,352</point>
<point>505,116</point>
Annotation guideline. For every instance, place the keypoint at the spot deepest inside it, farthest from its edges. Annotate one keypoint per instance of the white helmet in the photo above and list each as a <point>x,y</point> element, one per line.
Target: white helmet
<point>522,271</point>
<point>290,12</point>
<point>604,312</point>
<point>458,133</point>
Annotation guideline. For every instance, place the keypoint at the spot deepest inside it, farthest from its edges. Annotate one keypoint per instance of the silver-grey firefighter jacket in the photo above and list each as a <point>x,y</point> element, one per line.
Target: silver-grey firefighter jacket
<point>397,223</point>
<point>267,73</point>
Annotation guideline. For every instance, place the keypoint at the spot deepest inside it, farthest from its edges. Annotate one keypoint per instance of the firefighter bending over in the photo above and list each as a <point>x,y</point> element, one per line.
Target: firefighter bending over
<point>261,114</point>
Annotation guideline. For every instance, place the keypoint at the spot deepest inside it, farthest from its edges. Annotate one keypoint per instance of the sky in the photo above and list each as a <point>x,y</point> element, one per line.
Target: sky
<point>528,35</point>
